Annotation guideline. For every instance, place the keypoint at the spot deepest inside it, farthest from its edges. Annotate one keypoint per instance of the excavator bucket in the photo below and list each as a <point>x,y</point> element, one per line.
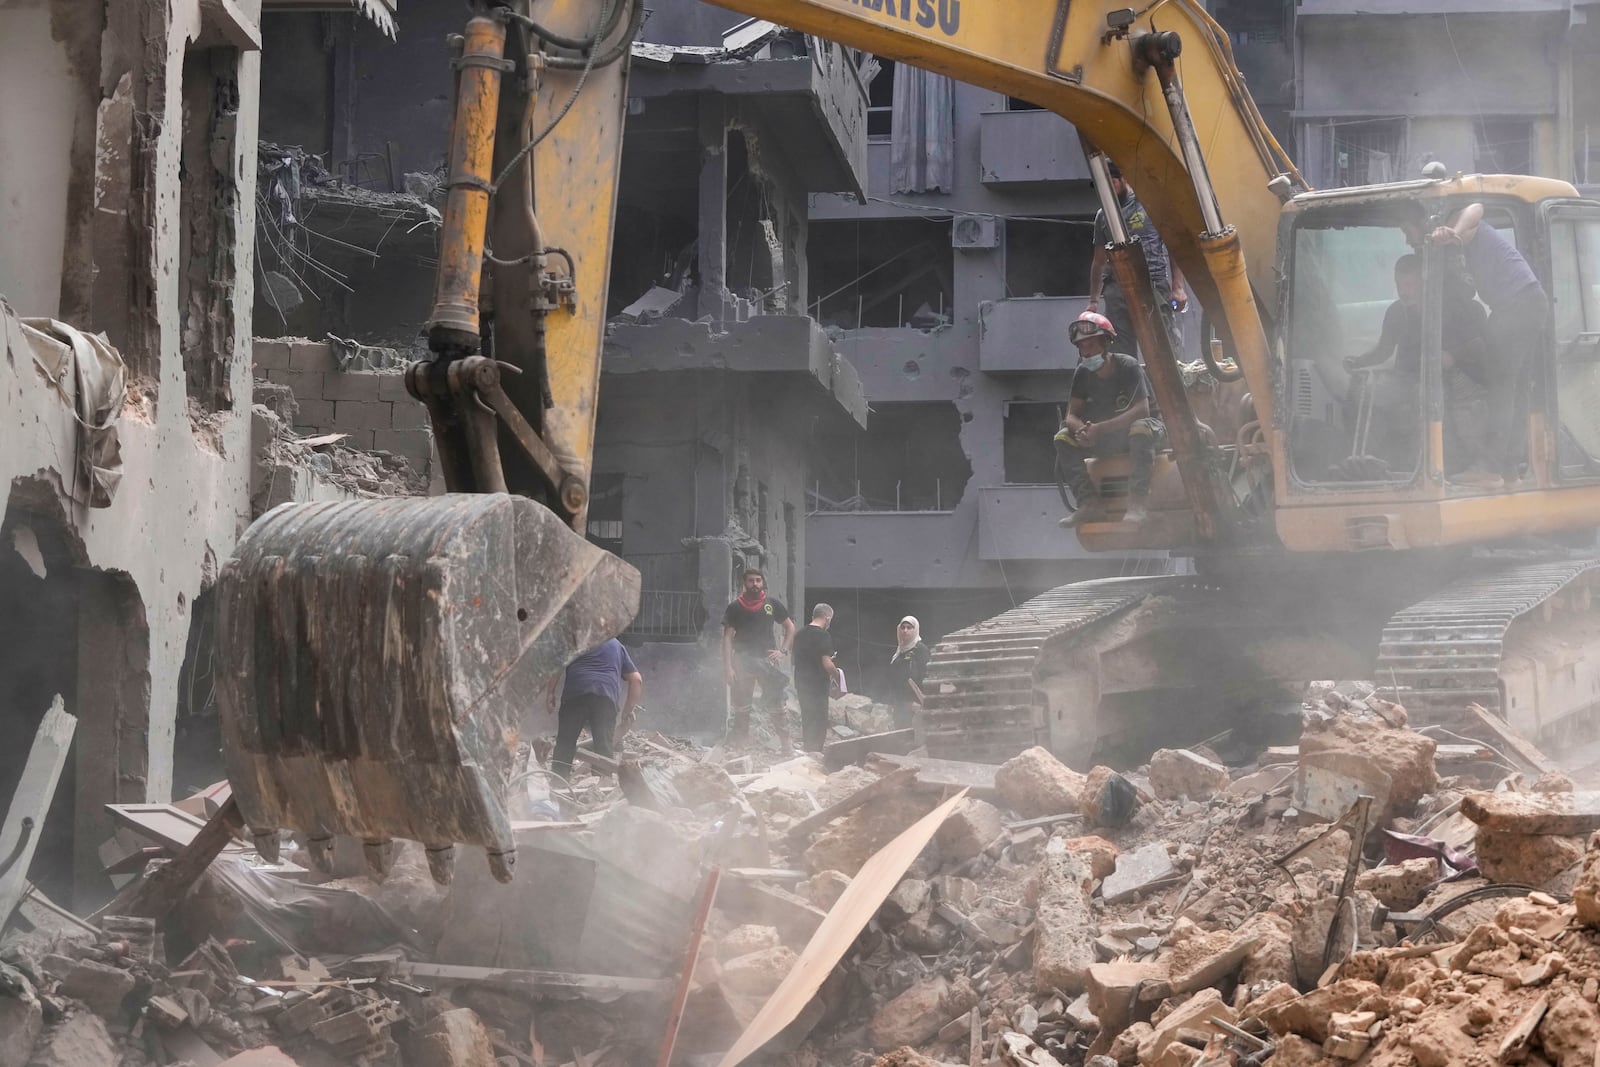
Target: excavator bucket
<point>381,655</point>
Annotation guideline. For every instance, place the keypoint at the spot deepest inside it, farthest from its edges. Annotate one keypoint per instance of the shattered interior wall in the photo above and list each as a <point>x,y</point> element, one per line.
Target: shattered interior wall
<point>135,568</point>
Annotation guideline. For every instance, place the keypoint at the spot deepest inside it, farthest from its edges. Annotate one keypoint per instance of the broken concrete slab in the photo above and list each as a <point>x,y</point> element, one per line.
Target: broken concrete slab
<point>1400,886</point>
<point>908,898</point>
<point>1406,756</point>
<point>1527,859</point>
<point>863,832</point>
<point>1115,988</point>
<point>454,1038</point>
<point>920,1012</point>
<point>757,974</point>
<point>1063,941</point>
<point>102,987</point>
<point>1034,783</point>
<point>79,1040</point>
<point>750,937</point>
<point>1102,854</point>
<point>1207,959</point>
<point>21,1023</point>
<point>1137,872</point>
<point>970,830</point>
<point>1534,813</point>
<point>1177,773</point>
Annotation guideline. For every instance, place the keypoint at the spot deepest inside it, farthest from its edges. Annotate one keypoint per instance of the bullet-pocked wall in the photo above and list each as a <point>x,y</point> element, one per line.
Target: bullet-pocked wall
<point>103,95</point>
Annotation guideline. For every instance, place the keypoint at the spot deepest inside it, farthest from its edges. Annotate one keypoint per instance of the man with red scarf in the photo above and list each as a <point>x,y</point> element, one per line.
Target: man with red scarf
<point>751,657</point>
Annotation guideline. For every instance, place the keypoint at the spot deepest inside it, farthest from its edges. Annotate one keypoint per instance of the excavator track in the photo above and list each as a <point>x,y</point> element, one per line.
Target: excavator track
<point>983,700</point>
<point>1451,650</point>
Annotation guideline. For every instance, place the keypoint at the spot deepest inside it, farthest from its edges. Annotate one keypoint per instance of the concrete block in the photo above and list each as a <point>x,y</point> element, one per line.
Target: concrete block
<point>1136,872</point>
<point>409,414</point>
<point>312,356</point>
<point>1063,940</point>
<point>270,354</point>
<point>351,385</point>
<point>100,986</point>
<point>313,411</point>
<point>361,415</point>
<point>393,387</point>
<point>415,445</point>
<point>306,384</point>
<point>355,438</point>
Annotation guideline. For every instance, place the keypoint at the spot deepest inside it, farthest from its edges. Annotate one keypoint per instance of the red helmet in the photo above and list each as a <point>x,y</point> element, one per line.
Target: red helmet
<point>1091,324</point>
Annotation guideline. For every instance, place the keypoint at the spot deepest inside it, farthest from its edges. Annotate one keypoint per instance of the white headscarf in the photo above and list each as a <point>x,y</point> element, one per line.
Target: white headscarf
<point>905,641</point>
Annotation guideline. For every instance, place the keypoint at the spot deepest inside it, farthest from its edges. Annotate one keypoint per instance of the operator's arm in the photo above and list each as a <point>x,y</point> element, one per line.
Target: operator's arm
<point>1075,421</point>
<point>1388,341</point>
<point>635,691</point>
<point>1097,267</point>
<point>1464,229</point>
<point>1180,295</point>
<point>1139,409</point>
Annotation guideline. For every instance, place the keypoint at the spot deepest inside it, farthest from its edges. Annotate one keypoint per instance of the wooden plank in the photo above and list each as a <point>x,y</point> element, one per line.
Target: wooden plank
<point>946,773</point>
<point>889,783</point>
<point>158,893</point>
<point>836,754</point>
<point>1570,814</point>
<point>30,803</point>
<point>691,957</point>
<point>555,981</point>
<point>1513,744</point>
<point>165,824</point>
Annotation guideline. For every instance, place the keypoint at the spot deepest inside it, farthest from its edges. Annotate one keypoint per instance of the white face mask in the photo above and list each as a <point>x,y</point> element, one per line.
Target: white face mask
<point>1092,363</point>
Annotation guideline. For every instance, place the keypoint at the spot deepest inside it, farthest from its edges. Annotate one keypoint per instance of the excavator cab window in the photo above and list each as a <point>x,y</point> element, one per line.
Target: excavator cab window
<point>1355,401</point>
<point>1574,241</point>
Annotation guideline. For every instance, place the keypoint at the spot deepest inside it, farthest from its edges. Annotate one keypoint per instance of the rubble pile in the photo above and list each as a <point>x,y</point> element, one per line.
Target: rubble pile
<point>360,472</point>
<point>1322,904</point>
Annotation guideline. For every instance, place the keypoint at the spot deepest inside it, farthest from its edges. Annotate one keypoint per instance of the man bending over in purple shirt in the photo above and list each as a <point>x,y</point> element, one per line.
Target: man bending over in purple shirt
<point>593,697</point>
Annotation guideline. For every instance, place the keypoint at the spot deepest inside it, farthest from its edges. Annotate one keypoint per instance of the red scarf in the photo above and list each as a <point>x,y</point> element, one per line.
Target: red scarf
<point>748,606</point>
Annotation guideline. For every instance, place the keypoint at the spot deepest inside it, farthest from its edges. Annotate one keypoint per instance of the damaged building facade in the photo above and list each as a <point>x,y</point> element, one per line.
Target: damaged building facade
<point>126,460</point>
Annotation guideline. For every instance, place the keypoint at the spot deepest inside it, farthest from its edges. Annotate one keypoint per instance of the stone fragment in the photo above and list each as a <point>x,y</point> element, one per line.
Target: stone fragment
<point>757,974</point>
<point>265,1056</point>
<point>853,839</point>
<point>1586,893</point>
<point>1272,957</point>
<point>1107,799</point>
<point>1193,1014</point>
<point>1177,773</point>
<point>1570,1031</point>
<point>917,1014</point>
<point>1404,755</point>
<point>1102,854</point>
<point>1034,783</point>
<point>1125,1046</point>
<point>1293,1050</point>
<point>969,830</point>
<point>743,940</point>
<point>1311,1015</point>
<point>703,783</point>
<point>824,888</point>
<point>925,932</point>
<point>454,1038</point>
<point>1207,959</point>
<point>960,893</point>
<point>907,898</point>
<point>101,986</point>
<point>905,1057</point>
<point>79,1040</point>
<point>1439,1042</point>
<point>1531,859</point>
<point>1137,871</point>
<point>1114,987</point>
<point>21,1022</point>
<point>1063,940</point>
<point>1026,845</point>
<point>1400,886</point>
<point>1534,813</point>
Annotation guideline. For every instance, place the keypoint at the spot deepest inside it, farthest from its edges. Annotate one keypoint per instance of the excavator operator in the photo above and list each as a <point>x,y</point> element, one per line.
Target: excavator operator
<point>1111,412</point>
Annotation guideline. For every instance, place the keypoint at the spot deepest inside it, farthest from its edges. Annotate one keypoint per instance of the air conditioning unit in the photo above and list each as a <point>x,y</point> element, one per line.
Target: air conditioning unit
<point>975,231</point>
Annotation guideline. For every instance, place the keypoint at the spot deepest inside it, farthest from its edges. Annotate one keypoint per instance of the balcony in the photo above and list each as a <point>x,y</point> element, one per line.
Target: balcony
<point>816,97</point>
<point>1028,148</point>
<point>1027,333</point>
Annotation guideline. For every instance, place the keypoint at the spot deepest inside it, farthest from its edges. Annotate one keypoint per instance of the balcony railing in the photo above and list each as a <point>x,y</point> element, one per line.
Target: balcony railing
<point>669,615</point>
<point>942,500</point>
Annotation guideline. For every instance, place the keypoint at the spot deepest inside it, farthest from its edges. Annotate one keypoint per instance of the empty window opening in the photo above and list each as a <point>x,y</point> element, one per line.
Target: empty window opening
<point>1016,103</point>
<point>1503,146</point>
<point>208,202</point>
<point>605,512</point>
<point>1029,454</point>
<point>759,262</point>
<point>197,738</point>
<point>880,101</point>
<point>38,661</point>
<point>885,272</point>
<point>909,458</point>
<point>1352,152</point>
<point>1048,257</point>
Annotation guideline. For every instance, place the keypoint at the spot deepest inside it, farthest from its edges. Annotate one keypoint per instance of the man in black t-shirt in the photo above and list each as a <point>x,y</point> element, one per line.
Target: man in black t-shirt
<point>813,671</point>
<point>1111,412</point>
<point>750,657</point>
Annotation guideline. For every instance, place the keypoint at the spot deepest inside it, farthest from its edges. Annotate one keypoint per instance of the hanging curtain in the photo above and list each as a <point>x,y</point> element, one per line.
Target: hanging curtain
<point>922,143</point>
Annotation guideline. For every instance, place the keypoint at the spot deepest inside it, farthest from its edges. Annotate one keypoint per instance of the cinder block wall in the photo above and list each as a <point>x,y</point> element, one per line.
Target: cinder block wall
<point>371,406</point>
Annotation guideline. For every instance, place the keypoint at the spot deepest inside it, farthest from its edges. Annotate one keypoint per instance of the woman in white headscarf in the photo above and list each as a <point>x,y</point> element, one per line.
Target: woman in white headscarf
<point>906,670</point>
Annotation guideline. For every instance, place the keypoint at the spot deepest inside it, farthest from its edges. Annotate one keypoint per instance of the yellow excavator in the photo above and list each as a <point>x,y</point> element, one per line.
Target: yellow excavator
<point>383,653</point>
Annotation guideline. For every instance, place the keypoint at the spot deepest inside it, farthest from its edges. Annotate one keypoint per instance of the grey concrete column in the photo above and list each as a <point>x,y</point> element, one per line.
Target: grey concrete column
<point>713,206</point>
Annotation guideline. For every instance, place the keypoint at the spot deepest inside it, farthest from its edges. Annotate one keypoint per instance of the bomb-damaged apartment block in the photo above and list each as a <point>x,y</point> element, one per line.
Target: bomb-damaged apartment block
<point>716,382</point>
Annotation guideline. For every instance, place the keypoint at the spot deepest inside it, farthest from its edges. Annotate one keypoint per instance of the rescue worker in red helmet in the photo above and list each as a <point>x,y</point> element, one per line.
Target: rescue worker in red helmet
<point>1111,412</point>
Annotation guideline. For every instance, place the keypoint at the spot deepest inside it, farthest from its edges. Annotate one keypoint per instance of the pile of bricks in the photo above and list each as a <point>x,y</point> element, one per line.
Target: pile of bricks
<point>371,406</point>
